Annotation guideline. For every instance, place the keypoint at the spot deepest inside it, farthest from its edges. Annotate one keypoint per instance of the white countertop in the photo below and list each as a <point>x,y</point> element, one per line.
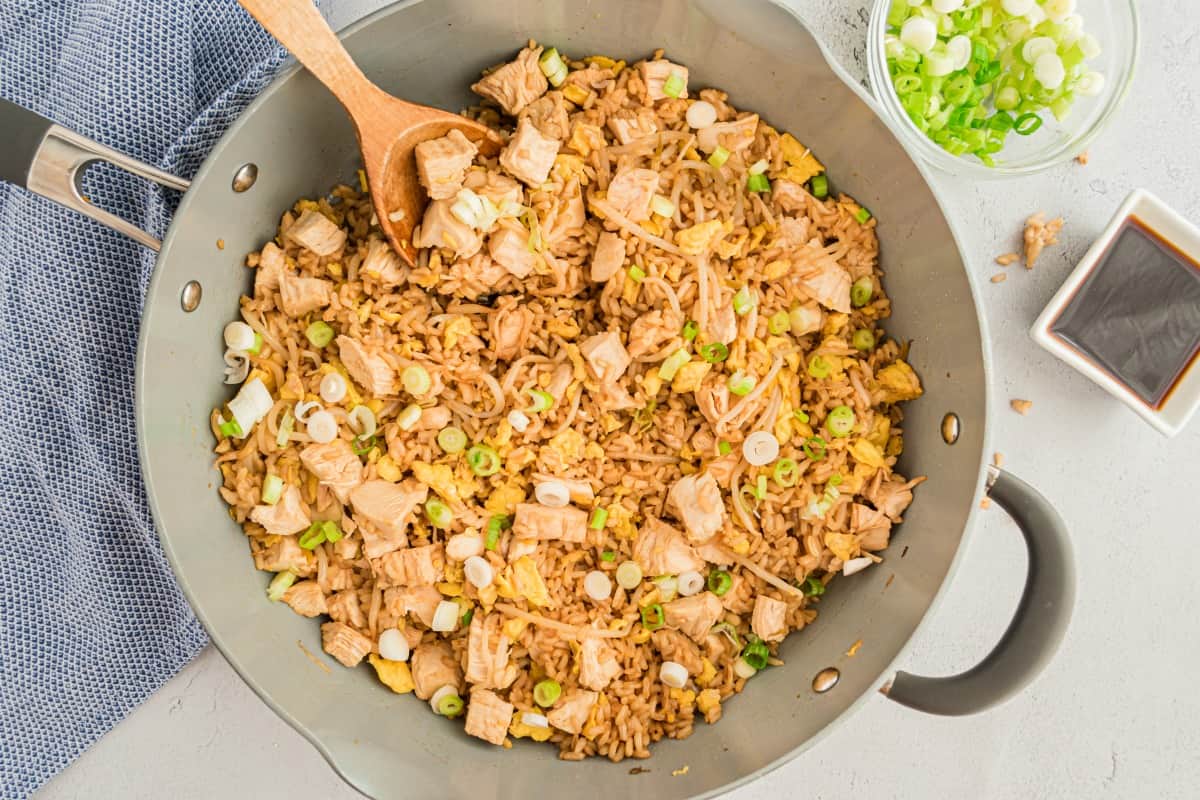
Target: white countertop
<point>1115,715</point>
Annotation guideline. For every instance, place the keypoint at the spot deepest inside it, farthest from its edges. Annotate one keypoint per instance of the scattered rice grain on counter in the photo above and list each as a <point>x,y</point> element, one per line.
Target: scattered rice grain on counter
<point>1083,158</point>
<point>1021,406</point>
<point>1007,259</point>
<point>523,468</point>
<point>999,277</point>
<point>998,459</point>
<point>985,503</point>
<point>1038,235</point>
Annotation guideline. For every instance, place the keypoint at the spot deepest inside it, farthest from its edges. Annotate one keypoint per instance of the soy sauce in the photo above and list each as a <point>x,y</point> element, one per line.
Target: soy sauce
<point>1137,314</point>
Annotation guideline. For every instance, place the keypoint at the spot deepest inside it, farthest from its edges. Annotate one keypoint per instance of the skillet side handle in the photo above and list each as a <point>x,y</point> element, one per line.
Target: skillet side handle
<point>1037,627</point>
<point>50,160</point>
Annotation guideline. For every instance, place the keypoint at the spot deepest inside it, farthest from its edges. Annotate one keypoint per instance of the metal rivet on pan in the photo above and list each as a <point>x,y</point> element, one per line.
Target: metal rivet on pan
<point>245,177</point>
<point>189,298</point>
<point>951,427</point>
<point>826,679</point>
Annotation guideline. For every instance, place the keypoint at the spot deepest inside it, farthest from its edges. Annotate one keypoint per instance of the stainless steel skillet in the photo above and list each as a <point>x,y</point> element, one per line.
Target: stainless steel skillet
<point>299,143</point>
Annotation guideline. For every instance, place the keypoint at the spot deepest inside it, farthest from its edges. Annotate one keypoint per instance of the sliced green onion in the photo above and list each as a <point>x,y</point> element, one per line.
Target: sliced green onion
<point>653,617</point>
<point>724,447</point>
<point>1007,99</point>
<point>286,425</point>
<point>230,428</point>
<point>363,444</point>
<point>256,348</point>
<point>467,617</point>
<point>724,628</point>
<point>450,705</point>
<point>714,352</point>
<point>438,513</point>
<point>756,653</point>
<point>719,582</point>
<point>271,489</point>
<point>743,301</point>
<point>819,367</point>
<point>813,587</point>
<point>416,380</point>
<point>495,525</point>
<point>319,333</point>
<point>280,584</point>
<point>800,415</point>
<point>861,292</point>
<point>786,472</point>
<point>596,523</point>
<point>312,537</point>
<point>409,417</point>
<point>546,693</point>
<point>674,85</point>
<point>553,67</point>
<point>779,322</point>
<point>690,329</point>
<point>814,447</point>
<point>483,460</point>
<point>760,487</point>
<point>1027,123</point>
<point>988,73</point>
<point>862,215</point>
<point>662,206</point>
<point>759,167</point>
<point>637,274</point>
<point>542,401</point>
<point>333,533</point>
<point>835,479</point>
<point>452,440</point>
<point>673,363</point>
<point>718,157</point>
<point>608,556</point>
<point>840,421</point>
<point>820,186</point>
<point>758,183</point>
<point>629,575</point>
<point>863,339</point>
<point>741,384</point>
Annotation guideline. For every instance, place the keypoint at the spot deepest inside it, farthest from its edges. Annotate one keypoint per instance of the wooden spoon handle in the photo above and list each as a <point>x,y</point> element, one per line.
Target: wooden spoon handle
<point>299,26</point>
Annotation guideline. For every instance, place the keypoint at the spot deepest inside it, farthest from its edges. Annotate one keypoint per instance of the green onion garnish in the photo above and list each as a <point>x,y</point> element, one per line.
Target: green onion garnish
<point>819,367</point>
<point>758,183</point>
<point>756,652</point>
<point>547,692</point>
<point>256,348</point>
<point>362,445</point>
<point>312,537</point>
<point>596,523</point>
<point>862,215</point>
<point>724,628</point>
<point>333,533</point>
<point>495,525</point>
<point>741,384</point>
<point>814,447</point>
<point>813,587</point>
<point>714,352</point>
<point>280,584</point>
<point>718,157</point>
<point>724,447</point>
<point>319,333</point>
<point>863,340</point>
<point>653,616</point>
<point>820,186</point>
<point>1027,123</point>
<point>670,366</point>
<point>451,439</point>
<point>861,292</point>
<point>760,487</point>
<point>450,705</point>
<point>285,429</point>
<point>662,206</point>
<point>542,401</point>
<point>467,617</point>
<point>840,421</point>
<point>786,472</point>
<point>438,513</point>
<point>553,67</point>
<point>835,479</point>
<point>230,428</point>
<point>608,555</point>
<point>690,329</point>
<point>408,417</point>
<point>674,85</point>
<point>744,300</point>
<point>779,322</point>
<point>483,460</point>
<point>637,274</point>
<point>719,582</point>
<point>416,380</point>
<point>801,415</point>
<point>271,489</point>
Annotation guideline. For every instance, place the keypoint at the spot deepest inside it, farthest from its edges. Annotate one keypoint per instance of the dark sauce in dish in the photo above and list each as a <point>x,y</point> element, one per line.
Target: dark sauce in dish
<point>1137,314</point>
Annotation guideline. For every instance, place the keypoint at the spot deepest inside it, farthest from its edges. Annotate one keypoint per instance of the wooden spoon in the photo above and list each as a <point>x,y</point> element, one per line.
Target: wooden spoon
<point>388,128</point>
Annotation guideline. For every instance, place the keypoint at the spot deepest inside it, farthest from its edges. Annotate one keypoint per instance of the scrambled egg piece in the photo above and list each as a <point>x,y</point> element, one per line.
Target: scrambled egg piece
<point>528,582</point>
<point>567,329</point>
<point>520,730</point>
<point>576,94</point>
<point>880,428</point>
<point>513,628</point>
<point>450,589</point>
<point>620,521</point>
<point>387,469</point>
<point>504,499</point>
<point>695,240</point>
<point>455,329</point>
<point>730,248</point>
<point>707,700</point>
<point>690,376</point>
<point>867,452</point>
<point>898,382</point>
<point>777,269</point>
<point>706,675</point>
<point>441,478</point>
<point>802,164</point>
<point>685,697</point>
<point>567,166</point>
<point>585,138</point>
<point>834,323</point>
<point>757,234</point>
<point>843,545</point>
<point>569,444</point>
<point>393,674</point>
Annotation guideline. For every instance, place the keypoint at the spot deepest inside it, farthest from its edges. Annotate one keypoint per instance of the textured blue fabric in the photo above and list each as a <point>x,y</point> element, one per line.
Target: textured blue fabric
<point>91,620</point>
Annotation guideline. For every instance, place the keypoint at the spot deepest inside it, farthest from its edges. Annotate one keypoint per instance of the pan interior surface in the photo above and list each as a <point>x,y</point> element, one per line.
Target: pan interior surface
<point>392,746</point>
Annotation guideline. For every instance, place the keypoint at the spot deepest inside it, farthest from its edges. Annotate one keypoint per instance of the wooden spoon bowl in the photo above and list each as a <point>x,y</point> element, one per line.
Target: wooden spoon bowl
<point>388,128</point>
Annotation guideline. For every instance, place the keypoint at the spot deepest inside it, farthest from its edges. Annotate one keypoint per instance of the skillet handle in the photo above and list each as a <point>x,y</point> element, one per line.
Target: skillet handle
<point>1037,627</point>
<point>50,160</point>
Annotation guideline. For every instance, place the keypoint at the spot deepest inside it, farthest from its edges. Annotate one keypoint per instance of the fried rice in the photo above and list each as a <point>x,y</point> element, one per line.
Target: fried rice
<point>580,470</point>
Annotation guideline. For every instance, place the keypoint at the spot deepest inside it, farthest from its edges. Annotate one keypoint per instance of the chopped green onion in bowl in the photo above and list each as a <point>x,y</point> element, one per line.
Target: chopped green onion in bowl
<point>438,513</point>
<point>719,582</point>
<point>553,67</point>
<point>542,401</point>
<point>741,384</point>
<point>452,440</point>
<point>280,584</point>
<point>718,157</point>
<point>779,323</point>
<point>743,301</point>
<point>673,363</point>
<point>840,421</point>
<point>319,334</point>
<point>416,380</point>
<point>714,352</point>
<point>483,460</point>
<point>272,488</point>
<point>547,692</point>
<point>861,292</point>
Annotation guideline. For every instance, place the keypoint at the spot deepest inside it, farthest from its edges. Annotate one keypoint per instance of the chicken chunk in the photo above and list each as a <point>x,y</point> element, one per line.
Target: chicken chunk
<point>271,266</point>
<point>382,263</point>
<point>344,607</point>
<point>892,497</point>
<point>510,328</point>
<point>442,163</point>
<point>344,643</point>
<point>674,646</point>
<point>529,155</point>
<point>735,135</point>
<point>714,552</point>
<point>440,228</point>
<point>488,716</point>
<point>572,711</point>
<point>789,196</point>
<point>388,507</point>
<point>516,84</point>
<point>872,527</point>
<point>510,249</point>
<point>598,664</point>
<point>306,599</point>
<point>434,666</point>
<point>298,296</point>
<point>653,331</point>
<point>487,653</point>
<point>608,257</point>
<point>696,501</point>
<point>693,615</point>
<point>497,187</point>
<point>536,521</point>
<point>769,621</point>
<point>367,368</point>
<point>549,115</point>
<point>722,322</point>
<point>606,357</point>
<point>423,565</point>
<point>655,74</point>
<point>829,284</point>
<point>628,125</point>
<point>419,601</point>
<point>335,466</point>
<point>287,517</point>
<point>662,550</point>
<point>631,191</point>
<point>569,218</point>
<point>462,546</point>
<point>315,232</point>
<point>285,553</point>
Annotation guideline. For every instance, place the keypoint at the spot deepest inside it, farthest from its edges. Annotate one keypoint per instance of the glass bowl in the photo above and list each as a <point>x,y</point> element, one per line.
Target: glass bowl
<point>1114,23</point>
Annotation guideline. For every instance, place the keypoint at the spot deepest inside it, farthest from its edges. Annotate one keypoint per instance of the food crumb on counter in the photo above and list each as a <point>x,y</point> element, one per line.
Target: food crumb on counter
<point>681,771</point>
<point>1007,259</point>
<point>220,244</point>
<point>985,503</point>
<point>1082,158</point>
<point>1000,277</point>
<point>1021,406</point>
<point>998,459</point>
<point>854,649</point>
<point>638,771</point>
<point>1039,234</point>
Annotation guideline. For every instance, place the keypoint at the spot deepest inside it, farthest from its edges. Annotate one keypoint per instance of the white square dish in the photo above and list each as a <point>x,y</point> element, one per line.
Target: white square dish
<point>1134,327</point>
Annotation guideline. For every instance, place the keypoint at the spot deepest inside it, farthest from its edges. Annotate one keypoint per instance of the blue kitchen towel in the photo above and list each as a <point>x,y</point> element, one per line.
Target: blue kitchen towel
<point>91,620</point>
